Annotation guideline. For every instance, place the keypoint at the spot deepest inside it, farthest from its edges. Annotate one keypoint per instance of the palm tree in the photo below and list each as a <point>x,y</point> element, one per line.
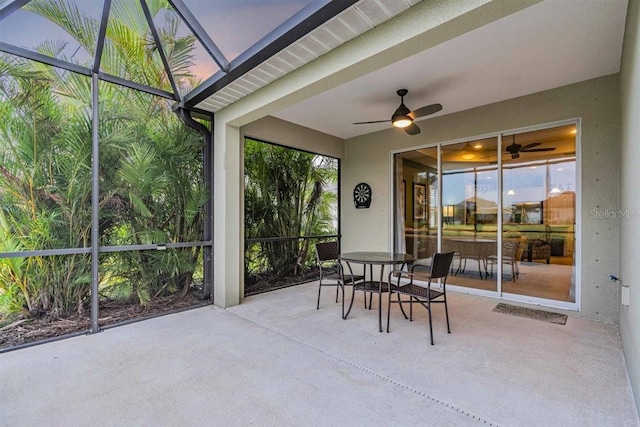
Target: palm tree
<point>45,185</point>
<point>285,197</point>
<point>150,175</point>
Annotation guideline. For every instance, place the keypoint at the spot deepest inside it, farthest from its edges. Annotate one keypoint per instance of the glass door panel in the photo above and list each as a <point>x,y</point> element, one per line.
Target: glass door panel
<point>539,213</point>
<point>470,208</point>
<point>417,198</point>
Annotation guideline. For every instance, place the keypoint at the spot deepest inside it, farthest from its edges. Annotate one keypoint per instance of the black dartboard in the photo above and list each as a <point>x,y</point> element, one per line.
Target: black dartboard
<point>362,196</point>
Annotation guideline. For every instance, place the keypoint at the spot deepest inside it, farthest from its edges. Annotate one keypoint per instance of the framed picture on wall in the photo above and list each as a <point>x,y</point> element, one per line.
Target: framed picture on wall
<point>419,201</point>
<point>404,194</point>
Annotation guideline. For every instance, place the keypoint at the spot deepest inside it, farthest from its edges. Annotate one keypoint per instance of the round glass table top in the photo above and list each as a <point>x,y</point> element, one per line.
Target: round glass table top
<point>376,257</point>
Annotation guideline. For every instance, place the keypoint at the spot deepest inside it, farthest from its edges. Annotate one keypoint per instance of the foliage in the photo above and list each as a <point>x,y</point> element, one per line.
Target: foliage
<point>150,180</point>
<point>285,196</point>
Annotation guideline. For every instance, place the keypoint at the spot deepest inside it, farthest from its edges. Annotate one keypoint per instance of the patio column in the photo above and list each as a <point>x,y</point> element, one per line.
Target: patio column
<point>228,223</point>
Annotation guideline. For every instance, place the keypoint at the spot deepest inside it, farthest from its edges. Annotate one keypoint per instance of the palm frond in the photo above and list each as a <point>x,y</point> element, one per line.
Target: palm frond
<point>67,16</point>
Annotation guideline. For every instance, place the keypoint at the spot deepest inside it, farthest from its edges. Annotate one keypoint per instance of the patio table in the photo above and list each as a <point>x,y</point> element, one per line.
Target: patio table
<point>369,284</point>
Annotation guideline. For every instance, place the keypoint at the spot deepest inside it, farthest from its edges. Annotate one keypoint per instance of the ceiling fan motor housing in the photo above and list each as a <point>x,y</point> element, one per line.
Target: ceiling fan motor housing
<point>514,150</point>
<point>401,111</point>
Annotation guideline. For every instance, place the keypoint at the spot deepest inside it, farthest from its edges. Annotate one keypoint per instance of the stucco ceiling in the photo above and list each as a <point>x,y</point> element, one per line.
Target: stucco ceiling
<point>551,44</point>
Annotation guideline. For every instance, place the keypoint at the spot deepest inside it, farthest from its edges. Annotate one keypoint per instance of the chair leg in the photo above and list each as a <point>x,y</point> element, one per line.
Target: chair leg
<point>389,307</point>
<point>337,286</point>
<point>353,295</point>
<point>342,299</point>
<point>446,312</point>
<point>401,307</point>
<point>430,325</point>
<point>319,289</point>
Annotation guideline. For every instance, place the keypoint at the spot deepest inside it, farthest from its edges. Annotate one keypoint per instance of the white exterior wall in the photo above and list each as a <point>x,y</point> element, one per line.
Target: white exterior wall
<point>630,197</point>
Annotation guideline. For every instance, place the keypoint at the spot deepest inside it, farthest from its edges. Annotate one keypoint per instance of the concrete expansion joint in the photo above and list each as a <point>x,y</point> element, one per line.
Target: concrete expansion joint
<point>378,375</point>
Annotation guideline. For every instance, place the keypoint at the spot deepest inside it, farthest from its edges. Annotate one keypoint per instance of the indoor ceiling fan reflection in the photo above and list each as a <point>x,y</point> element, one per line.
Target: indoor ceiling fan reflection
<point>515,149</point>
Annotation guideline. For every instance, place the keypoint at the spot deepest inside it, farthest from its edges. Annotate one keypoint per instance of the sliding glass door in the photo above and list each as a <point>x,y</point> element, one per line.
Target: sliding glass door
<point>505,204</point>
<point>470,197</point>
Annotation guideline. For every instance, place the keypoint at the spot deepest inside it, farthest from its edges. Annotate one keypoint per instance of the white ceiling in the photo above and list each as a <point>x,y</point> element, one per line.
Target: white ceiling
<point>551,44</point>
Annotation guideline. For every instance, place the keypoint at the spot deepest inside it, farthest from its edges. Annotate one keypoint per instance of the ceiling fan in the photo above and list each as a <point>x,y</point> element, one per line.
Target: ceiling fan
<point>515,149</point>
<point>403,117</point>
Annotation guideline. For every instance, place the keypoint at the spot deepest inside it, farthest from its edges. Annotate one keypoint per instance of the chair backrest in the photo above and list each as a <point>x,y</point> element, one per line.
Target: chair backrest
<point>441,264</point>
<point>521,247</point>
<point>327,251</point>
<point>510,248</point>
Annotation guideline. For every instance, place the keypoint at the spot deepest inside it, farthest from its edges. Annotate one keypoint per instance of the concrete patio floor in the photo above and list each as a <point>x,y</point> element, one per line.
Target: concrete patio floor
<point>276,360</point>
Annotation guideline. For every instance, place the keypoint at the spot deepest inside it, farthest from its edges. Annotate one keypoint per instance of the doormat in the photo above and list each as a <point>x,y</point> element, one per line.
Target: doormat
<point>529,313</point>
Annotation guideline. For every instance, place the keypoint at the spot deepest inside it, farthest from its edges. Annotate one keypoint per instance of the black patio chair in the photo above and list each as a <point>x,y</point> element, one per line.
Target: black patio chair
<point>423,295</point>
<point>331,270</point>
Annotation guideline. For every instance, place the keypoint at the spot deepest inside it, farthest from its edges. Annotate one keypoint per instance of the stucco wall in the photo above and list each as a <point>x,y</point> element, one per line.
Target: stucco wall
<point>629,196</point>
<point>272,129</point>
<point>595,102</point>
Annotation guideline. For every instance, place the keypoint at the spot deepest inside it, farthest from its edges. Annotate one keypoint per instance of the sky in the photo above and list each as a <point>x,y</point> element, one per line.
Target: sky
<point>527,183</point>
<point>233,25</point>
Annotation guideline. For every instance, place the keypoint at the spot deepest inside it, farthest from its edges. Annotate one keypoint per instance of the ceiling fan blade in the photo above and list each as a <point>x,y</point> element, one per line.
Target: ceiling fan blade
<point>425,111</point>
<point>412,129</point>
<point>533,144</point>
<point>374,121</point>
<point>533,150</point>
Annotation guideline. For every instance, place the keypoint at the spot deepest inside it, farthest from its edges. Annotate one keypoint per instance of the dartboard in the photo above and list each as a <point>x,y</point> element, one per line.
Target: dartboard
<point>362,195</point>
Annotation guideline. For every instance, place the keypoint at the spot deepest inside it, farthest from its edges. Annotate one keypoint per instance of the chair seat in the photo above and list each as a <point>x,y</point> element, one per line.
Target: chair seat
<point>337,276</point>
<point>418,291</point>
<point>494,258</point>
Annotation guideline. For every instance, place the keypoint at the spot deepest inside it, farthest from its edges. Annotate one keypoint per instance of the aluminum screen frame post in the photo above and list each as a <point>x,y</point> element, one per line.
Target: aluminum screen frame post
<point>209,216</point>
<point>95,200</point>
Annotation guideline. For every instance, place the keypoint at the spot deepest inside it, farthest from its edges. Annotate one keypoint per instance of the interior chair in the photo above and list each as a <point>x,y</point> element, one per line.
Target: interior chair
<point>423,295</point>
<point>424,264</point>
<point>425,257</point>
<point>331,271</point>
<point>473,250</point>
<point>537,249</point>
<point>512,250</point>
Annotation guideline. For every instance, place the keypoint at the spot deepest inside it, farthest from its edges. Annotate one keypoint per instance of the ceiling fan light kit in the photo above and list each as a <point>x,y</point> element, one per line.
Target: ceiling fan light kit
<point>402,121</point>
<point>403,118</point>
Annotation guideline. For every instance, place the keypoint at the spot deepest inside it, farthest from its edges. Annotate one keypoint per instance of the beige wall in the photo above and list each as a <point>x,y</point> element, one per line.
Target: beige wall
<point>596,103</point>
<point>272,129</point>
<point>630,197</point>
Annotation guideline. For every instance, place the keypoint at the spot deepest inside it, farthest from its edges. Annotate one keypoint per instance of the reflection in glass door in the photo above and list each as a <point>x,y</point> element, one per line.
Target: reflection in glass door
<point>510,217</point>
<point>539,197</point>
<point>417,205</point>
<point>470,194</point>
